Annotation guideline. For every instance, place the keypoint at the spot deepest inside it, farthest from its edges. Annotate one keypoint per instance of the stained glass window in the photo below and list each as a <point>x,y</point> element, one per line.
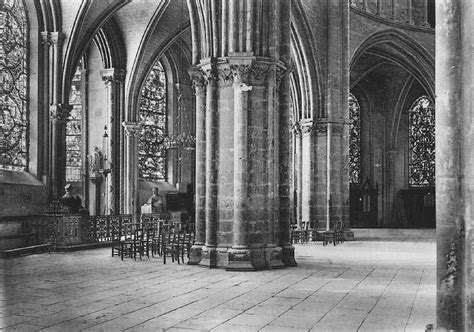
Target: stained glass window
<point>153,113</point>
<point>421,136</point>
<point>13,86</point>
<point>74,129</point>
<point>354,140</point>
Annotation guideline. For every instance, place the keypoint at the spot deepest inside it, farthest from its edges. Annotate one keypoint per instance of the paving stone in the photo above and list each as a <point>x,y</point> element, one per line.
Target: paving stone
<point>340,288</point>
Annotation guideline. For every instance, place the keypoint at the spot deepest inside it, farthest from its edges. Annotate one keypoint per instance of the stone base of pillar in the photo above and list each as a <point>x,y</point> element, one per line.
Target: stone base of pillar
<point>288,255</point>
<point>208,257</point>
<point>273,257</point>
<point>240,260</point>
<point>195,255</point>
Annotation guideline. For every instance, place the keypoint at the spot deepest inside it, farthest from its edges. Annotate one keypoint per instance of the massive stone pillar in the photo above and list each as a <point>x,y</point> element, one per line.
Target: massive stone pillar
<point>335,125</point>
<point>454,160</point>
<point>114,86</point>
<point>242,179</point>
<point>132,131</point>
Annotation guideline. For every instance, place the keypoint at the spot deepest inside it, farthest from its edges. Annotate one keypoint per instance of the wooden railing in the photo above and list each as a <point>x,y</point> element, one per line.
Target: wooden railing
<point>70,229</point>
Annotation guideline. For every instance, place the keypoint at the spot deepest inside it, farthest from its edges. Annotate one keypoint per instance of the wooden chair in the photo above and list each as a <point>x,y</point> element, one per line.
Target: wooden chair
<point>156,239</point>
<point>138,241</point>
<point>122,240</point>
<point>330,235</point>
<point>297,236</point>
<point>340,232</point>
<point>170,246</point>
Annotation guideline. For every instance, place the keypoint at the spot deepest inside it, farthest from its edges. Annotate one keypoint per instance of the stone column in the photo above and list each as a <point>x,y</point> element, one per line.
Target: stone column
<point>425,14</point>
<point>254,36</point>
<point>299,172</point>
<point>454,160</point>
<point>209,251</point>
<point>394,10</point>
<point>410,11</point>
<point>337,115</point>
<point>199,84</point>
<point>58,114</point>
<point>239,255</point>
<point>114,80</point>
<point>45,40</point>
<point>283,130</point>
<point>307,176</point>
<point>132,131</point>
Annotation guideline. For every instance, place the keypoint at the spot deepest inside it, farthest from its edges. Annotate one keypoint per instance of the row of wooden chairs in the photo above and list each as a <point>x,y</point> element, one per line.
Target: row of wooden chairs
<point>309,232</point>
<point>161,239</point>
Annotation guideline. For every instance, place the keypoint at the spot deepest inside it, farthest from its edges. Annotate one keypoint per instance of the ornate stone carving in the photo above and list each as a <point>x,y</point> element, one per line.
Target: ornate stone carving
<point>296,129</point>
<point>198,80</point>
<point>132,129</point>
<point>111,75</point>
<point>280,73</point>
<point>307,129</point>
<point>225,75</point>
<point>211,73</point>
<point>56,38</point>
<point>249,74</point>
<point>45,39</point>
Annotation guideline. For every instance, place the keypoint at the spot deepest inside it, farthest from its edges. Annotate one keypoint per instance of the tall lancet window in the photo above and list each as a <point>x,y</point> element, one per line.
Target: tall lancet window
<point>354,140</point>
<point>421,136</point>
<point>74,129</point>
<point>14,120</point>
<point>153,114</point>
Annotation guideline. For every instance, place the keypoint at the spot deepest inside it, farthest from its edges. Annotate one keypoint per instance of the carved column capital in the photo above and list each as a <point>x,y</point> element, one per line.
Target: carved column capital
<point>210,74</point>
<point>307,129</point>
<point>57,38</point>
<point>59,112</point>
<point>280,74</point>
<point>45,39</point>
<point>296,129</point>
<point>132,129</point>
<point>111,75</point>
<point>249,74</point>
<point>197,78</point>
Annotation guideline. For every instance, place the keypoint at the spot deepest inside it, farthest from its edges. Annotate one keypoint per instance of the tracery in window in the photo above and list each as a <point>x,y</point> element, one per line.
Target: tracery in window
<point>13,85</point>
<point>153,113</point>
<point>421,136</point>
<point>74,129</point>
<point>354,140</point>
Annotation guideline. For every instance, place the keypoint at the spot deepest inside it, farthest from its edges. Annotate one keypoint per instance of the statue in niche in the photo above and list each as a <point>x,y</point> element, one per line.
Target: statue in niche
<point>96,162</point>
<point>154,203</point>
<point>71,203</point>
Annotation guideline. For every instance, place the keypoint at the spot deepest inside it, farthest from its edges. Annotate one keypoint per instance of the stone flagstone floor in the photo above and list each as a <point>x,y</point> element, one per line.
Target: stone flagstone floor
<point>383,281</point>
